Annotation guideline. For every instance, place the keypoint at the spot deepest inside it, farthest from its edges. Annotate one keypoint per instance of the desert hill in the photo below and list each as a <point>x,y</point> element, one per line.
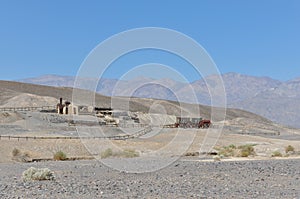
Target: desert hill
<point>270,98</point>
<point>15,93</point>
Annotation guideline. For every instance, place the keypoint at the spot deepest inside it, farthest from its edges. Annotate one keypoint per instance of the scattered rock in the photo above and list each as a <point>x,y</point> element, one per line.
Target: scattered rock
<point>243,179</point>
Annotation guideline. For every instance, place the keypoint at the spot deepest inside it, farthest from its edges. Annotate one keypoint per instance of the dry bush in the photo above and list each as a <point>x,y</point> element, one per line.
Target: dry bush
<point>289,149</point>
<point>37,174</point>
<point>19,156</point>
<point>233,151</point>
<point>59,156</point>
<point>127,153</point>
<point>276,154</point>
<point>227,151</point>
<point>107,153</point>
<point>16,152</point>
<point>246,150</point>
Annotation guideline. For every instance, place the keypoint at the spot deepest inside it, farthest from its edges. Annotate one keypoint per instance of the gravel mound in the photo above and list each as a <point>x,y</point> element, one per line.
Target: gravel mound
<point>30,100</point>
<point>9,117</point>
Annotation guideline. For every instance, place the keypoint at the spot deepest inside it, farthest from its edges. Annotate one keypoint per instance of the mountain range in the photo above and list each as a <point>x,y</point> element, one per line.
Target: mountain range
<point>276,100</point>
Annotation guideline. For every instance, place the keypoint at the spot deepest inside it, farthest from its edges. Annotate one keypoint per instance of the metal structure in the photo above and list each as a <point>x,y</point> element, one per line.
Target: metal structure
<point>186,122</point>
<point>204,124</point>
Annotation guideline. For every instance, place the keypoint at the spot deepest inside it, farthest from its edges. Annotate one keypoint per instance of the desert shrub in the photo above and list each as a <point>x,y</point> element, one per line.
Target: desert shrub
<point>244,153</point>
<point>16,152</point>
<point>246,150</point>
<point>130,153</point>
<point>127,153</point>
<point>59,155</point>
<point>227,151</point>
<point>107,153</point>
<point>276,154</point>
<point>20,156</point>
<point>289,148</point>
<point>37,174</point>
<point>240,151</point>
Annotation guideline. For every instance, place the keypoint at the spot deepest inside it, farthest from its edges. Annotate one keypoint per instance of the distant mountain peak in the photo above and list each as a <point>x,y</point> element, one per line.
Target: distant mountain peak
<point>141,78</point>
<point>294,80</point>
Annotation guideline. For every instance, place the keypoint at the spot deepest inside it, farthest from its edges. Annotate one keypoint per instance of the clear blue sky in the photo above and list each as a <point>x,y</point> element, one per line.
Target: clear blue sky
<point>258,37</point>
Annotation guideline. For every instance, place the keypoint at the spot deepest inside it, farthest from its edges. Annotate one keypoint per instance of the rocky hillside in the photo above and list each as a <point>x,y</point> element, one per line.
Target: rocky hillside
<point>273,99</point>
<point>10,91</point>
<point>281,103</point>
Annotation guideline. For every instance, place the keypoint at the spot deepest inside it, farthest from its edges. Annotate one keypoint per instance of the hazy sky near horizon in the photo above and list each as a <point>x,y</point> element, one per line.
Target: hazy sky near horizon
<point>259,38</point>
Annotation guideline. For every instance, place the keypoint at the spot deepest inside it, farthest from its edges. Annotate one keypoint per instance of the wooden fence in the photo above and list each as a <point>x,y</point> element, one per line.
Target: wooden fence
<point>33,108</point>
<point>258,133</point>
<point>116,137</point>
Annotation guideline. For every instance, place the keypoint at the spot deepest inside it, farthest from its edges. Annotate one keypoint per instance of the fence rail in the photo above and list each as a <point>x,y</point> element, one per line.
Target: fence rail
<point>136,125</point>
<point>116,137</point>
<point>32,108</point>
<point>258,133</point>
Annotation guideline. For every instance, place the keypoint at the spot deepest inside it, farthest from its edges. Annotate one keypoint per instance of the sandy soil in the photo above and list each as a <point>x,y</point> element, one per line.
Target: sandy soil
<point>264,147</point>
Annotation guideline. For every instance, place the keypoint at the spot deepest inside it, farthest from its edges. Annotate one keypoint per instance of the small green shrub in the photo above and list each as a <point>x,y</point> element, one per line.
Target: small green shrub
<point>107,153</point>
<point>240,151</point>
<point>276,154</point>
<point>227,151</point>
<point>246,150</point>
<point>130,153</point>
<point>37,174</point>
<point>59,156</point>
<point>289,148</point>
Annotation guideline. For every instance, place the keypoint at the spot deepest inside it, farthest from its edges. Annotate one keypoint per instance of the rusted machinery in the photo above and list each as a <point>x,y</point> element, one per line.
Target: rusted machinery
<point>184,122</point>
<point>204,124</point>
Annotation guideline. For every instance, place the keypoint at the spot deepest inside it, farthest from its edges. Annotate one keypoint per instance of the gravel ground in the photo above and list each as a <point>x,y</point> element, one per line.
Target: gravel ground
<point>183,179</point>
<point>54,124</point>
